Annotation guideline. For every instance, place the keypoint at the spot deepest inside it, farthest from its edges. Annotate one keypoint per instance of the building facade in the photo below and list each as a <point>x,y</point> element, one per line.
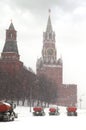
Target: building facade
<point>52,67</point>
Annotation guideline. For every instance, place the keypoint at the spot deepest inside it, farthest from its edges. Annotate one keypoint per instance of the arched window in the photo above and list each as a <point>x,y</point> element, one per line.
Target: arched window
<point>50,36</point>
<point>11,35</point>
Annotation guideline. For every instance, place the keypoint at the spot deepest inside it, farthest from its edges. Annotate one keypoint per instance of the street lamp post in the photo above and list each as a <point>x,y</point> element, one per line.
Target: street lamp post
<point>30,97</point>
<point>80,102</point>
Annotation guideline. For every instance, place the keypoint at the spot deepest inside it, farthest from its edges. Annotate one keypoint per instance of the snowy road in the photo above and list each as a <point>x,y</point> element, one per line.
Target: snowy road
<point>26,121</point>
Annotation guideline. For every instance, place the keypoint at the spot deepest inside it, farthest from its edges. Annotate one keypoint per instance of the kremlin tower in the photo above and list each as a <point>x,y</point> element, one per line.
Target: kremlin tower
<point>52,67</point>
<point>9,61</point>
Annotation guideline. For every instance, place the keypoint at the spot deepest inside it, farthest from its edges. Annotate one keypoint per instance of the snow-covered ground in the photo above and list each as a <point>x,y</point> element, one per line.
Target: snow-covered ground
<point>26,121</point>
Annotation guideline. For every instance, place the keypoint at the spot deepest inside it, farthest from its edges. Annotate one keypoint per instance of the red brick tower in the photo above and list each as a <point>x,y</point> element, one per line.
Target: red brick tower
<point>48,63</point>
<point>9,61</point>
<point>49,66</point>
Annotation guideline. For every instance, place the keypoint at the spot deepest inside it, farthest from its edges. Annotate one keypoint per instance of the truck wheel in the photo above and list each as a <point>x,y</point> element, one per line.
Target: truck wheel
<point>13,119</point>
<point>8,119</point>
<point>75,114</point>
<point>68,114</point>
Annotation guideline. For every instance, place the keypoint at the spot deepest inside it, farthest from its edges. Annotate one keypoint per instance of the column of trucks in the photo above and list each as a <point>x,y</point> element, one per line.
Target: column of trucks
<point>39,111</point>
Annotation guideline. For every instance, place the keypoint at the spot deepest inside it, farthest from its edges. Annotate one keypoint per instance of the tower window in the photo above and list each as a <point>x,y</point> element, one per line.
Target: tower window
<point>11,35</point>
<point>50,36</point>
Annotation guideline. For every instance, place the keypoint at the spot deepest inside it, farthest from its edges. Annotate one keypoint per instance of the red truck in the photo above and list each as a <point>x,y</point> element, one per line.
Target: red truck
<point>7,112</point>
<point>38,111</point>
<point>54,111</point>
<point>71,111</point>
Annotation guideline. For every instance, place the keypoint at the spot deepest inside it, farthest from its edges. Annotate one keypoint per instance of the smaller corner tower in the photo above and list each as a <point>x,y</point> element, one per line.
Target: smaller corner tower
<point>10,50</point>
<point>9,61</point>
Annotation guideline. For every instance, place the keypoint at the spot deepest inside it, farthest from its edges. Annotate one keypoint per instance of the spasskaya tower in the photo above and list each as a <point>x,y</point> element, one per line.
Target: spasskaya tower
<point>48,63</point>
<point>51,66</point>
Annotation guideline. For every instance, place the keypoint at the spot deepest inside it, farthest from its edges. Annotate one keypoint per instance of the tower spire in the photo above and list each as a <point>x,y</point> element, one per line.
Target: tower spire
<point>49,11</point>
<point>49,25</point>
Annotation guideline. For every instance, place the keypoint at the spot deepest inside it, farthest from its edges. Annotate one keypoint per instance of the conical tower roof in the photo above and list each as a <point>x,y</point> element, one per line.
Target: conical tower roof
<point>10,45</point>
<point>11,27</point>
<point>49,25</point>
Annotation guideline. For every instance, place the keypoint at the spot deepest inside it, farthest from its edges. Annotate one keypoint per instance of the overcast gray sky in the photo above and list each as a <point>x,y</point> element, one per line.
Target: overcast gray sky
<point>68,19</point>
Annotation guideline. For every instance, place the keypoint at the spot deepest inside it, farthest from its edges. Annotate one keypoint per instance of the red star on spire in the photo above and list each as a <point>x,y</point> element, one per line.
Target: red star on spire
<point>11,20</point>
<point>49,11</point>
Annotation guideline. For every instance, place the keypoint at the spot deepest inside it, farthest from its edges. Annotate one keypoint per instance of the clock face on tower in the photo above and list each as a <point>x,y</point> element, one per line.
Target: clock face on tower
<point>50,51</point>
